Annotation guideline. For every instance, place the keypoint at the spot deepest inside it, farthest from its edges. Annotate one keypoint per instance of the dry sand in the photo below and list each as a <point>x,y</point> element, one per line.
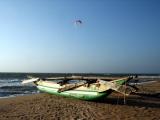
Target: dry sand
<point>51,107</point>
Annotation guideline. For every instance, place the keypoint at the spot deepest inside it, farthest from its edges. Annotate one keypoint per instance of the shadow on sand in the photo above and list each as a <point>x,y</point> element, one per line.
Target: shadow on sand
<point>139,101</point>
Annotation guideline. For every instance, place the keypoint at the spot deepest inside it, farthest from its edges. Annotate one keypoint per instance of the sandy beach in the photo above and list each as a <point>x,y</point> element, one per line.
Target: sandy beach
<point>50,107</point>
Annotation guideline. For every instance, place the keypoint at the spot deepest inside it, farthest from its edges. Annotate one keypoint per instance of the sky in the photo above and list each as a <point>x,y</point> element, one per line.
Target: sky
<point>116,36</point>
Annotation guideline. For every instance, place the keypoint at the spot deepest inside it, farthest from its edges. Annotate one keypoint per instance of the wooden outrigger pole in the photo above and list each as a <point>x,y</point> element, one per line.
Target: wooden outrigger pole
<point>85,78</point>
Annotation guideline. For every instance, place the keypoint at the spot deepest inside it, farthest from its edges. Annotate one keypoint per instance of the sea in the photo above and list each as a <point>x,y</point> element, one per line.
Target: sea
<point>11,83</point>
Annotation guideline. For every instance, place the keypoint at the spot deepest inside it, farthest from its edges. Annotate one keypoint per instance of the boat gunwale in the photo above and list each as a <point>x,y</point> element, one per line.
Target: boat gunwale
<point>71,89</point>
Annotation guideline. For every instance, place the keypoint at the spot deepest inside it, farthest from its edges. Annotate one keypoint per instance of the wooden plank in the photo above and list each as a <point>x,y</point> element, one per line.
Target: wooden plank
<point>71,86</point>
<point>82,78</point>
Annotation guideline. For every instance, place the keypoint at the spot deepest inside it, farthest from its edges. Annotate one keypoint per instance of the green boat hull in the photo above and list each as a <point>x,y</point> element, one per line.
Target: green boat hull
<point>79,94</point>
<point>84,93</point>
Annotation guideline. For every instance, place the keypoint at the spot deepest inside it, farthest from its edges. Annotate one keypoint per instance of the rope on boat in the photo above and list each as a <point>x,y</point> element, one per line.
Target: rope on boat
<point>125,94</point>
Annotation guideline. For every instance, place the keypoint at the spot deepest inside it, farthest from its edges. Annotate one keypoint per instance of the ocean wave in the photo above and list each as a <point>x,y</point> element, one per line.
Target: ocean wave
<point>141,83</point>
<point>10,82</point>
<point>18,88</point>
<point>14,94</point>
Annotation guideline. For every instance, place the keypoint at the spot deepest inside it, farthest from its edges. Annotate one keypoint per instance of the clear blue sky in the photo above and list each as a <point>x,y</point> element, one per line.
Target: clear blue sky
<point>116,36</point>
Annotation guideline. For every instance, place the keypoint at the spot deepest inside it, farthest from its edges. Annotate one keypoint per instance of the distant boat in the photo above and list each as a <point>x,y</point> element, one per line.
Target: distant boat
<point>90,88</point>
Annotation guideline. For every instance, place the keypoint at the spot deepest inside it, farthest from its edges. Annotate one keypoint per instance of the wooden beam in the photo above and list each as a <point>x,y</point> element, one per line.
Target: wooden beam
<point>82,78</point>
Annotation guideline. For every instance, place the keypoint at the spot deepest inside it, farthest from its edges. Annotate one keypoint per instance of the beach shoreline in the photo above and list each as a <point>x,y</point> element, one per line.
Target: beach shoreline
<point>44,106</point>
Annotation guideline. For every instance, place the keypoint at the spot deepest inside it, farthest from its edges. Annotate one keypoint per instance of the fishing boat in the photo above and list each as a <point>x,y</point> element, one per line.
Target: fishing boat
<point>86,88</point>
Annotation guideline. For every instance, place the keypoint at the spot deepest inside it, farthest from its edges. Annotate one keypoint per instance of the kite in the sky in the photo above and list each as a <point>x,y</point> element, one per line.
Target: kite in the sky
<point>78,22</point>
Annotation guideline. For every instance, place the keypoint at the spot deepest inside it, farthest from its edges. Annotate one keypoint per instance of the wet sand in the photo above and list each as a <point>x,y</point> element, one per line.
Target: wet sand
<point>50,107</point>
